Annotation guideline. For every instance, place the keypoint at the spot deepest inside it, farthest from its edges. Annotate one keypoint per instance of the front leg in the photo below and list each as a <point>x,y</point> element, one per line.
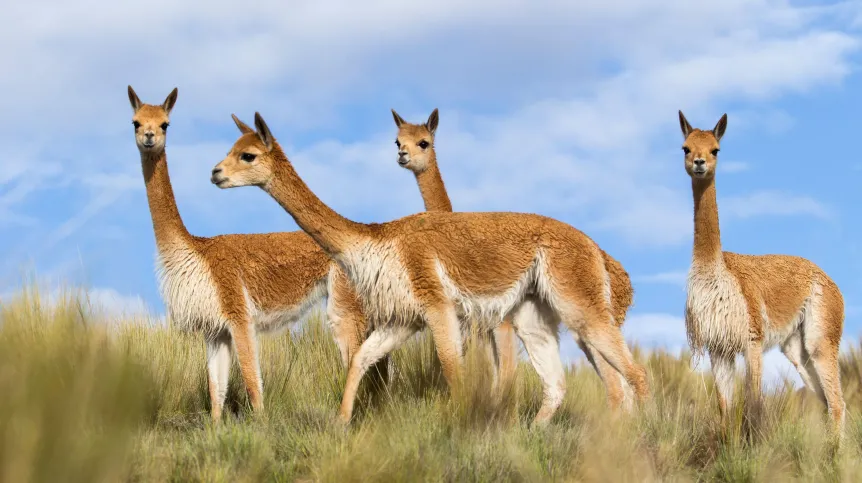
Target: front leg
<point>754,375</point>
<point>445,328</point>
<point>723,368</point>
<point>245,342</point>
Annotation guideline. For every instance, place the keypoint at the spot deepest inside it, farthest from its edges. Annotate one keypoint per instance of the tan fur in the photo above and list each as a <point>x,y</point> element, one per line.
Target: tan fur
<point>232,287</point>
<point>750,303</point>
<point>416,271</point>
<point>416,152</point>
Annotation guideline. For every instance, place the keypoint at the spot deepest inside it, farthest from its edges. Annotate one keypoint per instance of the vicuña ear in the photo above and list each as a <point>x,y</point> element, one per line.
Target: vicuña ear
<point>433,119</point>
<point>684,125</point>
<point>170,101</point>
<point>720,127</point>
<point>133,98</point>
<point>398,120</point>
<point>243,127</point>
<point>263,131</point>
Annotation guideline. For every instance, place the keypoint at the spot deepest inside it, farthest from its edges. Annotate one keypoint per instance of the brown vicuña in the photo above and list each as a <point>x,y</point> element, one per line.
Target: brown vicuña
<point>416,152</point>
<point>432,268</point>
<point>749,303</point>
<point>232,287</point>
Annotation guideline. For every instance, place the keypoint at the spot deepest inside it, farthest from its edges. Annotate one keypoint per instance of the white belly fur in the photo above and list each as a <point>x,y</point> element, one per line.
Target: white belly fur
<point>277,320</point>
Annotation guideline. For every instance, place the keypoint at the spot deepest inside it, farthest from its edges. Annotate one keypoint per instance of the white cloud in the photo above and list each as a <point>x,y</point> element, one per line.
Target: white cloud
<point>773,203</point>
<point>677,278</point>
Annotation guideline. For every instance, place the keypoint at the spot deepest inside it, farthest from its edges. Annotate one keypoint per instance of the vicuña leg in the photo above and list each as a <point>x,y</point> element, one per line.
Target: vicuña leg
<point>380,343</point>
<point>538,330</point>
<point>445,327</point>
<point>218,369</point>
<point>798,356</point>
<point>723,368</point>
<point>607,340</point>
<point>245,342</point>
<point>507,353</point>
<point>614,382</point>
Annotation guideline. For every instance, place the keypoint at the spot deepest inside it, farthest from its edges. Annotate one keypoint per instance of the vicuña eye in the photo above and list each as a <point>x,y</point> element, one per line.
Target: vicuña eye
<point>248,157</point>
<point>686,150</point>
<point>165,126</point>
<point>423,144</point>
<point>136,124</point>
<point>715,152</point>
<point>398,143</point>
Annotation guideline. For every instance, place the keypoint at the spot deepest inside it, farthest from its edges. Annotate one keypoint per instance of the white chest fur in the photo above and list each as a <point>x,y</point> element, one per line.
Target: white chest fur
<point>189,291</point>
<point>716,312</point>
<point>382,282</point>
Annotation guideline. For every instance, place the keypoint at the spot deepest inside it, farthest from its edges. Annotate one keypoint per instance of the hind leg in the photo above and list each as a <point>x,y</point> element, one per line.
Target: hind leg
<point>607,340</point>
<point>379,344</point>
<point>538,331</point>
<point>798,356</point>
<point>822,342</point>
<point>619,394</point>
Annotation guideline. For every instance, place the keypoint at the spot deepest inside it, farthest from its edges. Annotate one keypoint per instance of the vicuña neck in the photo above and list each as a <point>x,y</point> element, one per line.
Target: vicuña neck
<point>333,232</point>
<point>167,223</point>
<point>707,238</point>
<point>432,188</point>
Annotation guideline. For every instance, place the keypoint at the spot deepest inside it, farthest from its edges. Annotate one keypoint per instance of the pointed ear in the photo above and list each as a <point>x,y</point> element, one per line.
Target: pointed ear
<point>398,120</point>
<point>170,101</point>
<point>684,125</point>
<point>243,127</point>
<point>433,119</point>
<point>720,127</point>
<point>133,98</point>
<point>263,131</point>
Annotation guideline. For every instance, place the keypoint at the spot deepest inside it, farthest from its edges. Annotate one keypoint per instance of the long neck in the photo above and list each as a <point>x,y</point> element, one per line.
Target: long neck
<point>432,188</point>
<point>707,238</point>
<point>167,223</point>
<point>331,231</point>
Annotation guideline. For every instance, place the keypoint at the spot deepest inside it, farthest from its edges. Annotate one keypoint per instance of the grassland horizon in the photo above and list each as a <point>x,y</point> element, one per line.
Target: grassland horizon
<point>85,400</point>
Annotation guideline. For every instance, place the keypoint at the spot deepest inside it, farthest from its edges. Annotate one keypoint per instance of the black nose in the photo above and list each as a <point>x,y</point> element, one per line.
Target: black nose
<point>149,134</point>
<point>216,171</point>
<point>401,154</point>
<point>699,162</point>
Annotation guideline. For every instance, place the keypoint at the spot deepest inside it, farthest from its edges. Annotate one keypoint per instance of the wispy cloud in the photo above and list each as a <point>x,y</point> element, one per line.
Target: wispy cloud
<point>774,203</point>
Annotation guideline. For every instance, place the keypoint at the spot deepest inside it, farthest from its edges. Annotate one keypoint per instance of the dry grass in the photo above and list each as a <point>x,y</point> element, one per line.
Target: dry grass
<point>85,400</point>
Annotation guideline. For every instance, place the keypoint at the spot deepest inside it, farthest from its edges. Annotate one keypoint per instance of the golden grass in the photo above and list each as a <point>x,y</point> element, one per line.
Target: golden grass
<point>85,400</point>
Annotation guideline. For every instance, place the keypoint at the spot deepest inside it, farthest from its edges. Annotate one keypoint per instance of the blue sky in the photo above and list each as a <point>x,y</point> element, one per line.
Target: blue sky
<point>567,109</point>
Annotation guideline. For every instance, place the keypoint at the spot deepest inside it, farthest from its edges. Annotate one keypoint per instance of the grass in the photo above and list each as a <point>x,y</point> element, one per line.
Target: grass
<point>85,400</point>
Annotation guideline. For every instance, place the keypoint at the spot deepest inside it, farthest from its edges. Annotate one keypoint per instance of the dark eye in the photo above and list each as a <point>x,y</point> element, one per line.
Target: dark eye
<point>715,152</point>
<point>136,124</point>
<point>686,150</point>
<point>423,144</point>
<point>247,157</point>
<point>165,126</point>
<point>398,143</point>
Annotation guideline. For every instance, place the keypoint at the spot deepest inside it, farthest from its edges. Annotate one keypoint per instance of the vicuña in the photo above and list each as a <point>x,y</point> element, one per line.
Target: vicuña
<point>416,152</point>
<point>433,268</point>
<point>745,304</point>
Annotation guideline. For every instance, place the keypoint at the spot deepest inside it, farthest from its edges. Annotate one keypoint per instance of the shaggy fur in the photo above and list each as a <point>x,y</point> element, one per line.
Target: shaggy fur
<point>418,270</point>
<point>745,304</point>
<point>416,153</point>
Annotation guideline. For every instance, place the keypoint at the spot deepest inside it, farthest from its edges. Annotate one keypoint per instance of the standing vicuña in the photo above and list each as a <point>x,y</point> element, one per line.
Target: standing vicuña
<point>416,152</point>
<point>748,303</point>
<point>432,268</point>
<point>230,287</point>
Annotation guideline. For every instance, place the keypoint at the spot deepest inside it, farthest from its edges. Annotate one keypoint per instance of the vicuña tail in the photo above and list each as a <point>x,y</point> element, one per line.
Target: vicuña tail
<point>622,293</point>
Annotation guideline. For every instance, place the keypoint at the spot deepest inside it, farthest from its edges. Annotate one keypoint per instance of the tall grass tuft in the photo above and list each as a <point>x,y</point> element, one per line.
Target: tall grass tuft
<point>87,397</point>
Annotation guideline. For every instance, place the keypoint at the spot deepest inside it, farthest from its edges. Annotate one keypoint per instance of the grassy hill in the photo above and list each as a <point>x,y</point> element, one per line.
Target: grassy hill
<point>88,399</point>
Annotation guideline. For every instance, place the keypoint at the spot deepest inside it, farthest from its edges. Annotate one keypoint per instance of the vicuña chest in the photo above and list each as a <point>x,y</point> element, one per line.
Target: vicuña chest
<point>716,311</point>
<point>188,290</point>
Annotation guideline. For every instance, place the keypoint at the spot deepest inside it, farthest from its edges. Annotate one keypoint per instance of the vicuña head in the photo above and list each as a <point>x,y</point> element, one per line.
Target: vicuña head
<point>416,142</point>
<point>151,122</point>
<point>250,162</point>
<point>701,148</point>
